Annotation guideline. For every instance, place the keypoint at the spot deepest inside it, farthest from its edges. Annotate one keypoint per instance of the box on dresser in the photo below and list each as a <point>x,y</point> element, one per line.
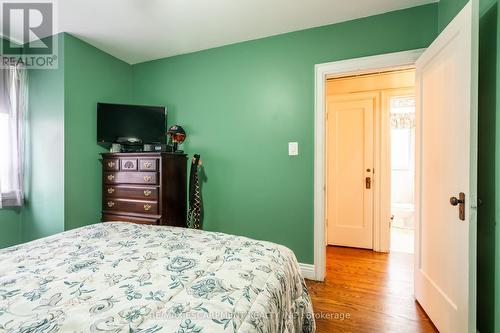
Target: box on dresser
<point>144,187</point>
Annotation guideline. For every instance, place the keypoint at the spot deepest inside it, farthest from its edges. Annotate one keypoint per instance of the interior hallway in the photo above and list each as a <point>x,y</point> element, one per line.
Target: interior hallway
<point>366,291</point>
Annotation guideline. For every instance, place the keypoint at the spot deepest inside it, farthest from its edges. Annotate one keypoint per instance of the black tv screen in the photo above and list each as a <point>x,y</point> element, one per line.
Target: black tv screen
<point>118,122</point>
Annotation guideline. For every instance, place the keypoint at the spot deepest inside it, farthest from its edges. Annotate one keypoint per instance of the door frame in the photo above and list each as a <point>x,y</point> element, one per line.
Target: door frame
<point>385,207</point>
<point>355,66</point>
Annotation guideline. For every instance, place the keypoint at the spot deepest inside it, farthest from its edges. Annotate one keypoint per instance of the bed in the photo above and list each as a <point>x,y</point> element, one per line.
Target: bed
<point>123,277</point>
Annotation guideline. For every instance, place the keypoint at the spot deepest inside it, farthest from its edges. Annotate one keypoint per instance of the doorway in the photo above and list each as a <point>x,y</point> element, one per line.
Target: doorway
<point>370,175</point>
<point>401,107</point>
<point>446,169</point>
<point>370,148</point>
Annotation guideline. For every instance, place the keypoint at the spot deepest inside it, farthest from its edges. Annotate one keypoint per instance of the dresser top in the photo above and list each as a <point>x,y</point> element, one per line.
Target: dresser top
<point>144,154</point>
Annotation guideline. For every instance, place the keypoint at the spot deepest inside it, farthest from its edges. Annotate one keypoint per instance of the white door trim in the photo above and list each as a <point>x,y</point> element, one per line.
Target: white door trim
<point>397,60</point>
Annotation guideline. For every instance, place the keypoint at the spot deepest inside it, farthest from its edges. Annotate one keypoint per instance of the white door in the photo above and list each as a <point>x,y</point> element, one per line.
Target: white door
<point>350,135</point>
<point>445,247</point>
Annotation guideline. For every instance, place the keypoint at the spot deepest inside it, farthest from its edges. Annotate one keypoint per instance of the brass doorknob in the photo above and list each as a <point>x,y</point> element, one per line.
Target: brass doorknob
<point>460,202</point>
<point>454,201</point>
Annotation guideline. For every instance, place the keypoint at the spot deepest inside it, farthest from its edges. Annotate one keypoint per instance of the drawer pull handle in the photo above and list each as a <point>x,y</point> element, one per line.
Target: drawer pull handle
<point>148,165</point>
<point>129,165</point>
<point>111,190</point>
<point>111,164</point>
<point>147,207</point>
<point>147,193</point>
<point>110,204</point>
<point>147,178</point>
<point>111,177</point>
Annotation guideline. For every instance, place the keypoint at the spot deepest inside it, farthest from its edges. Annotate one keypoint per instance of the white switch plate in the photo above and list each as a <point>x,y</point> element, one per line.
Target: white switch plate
<point>293,148</point>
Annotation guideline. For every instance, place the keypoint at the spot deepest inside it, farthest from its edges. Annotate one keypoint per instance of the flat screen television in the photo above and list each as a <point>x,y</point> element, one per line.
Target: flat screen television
<point>130,124</point>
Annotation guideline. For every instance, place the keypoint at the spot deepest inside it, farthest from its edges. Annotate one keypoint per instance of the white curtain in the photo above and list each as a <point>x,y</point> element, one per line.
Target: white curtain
<point>403,120</point>
<point>13,107</point>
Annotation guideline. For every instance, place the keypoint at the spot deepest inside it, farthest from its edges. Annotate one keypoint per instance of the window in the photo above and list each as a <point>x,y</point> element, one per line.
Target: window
<point>13,96</point>
<point>402,132</point>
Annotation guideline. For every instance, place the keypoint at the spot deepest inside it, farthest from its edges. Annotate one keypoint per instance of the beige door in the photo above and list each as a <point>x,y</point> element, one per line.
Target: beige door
<point>350,156</point>
<point>445,257</point>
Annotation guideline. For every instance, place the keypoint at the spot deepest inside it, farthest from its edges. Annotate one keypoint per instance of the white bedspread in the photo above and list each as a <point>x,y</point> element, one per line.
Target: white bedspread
<point>121,277</point>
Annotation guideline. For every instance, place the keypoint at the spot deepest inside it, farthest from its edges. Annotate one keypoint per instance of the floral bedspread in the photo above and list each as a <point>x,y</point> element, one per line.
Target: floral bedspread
<point>122,277</point>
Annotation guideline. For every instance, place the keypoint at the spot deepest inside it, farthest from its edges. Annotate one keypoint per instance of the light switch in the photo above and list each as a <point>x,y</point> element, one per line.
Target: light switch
<point>293,148</point>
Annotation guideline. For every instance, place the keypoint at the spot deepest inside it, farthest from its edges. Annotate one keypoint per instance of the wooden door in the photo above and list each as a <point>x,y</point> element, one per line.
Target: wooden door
<point>350,156</point>
<point>445,254</point>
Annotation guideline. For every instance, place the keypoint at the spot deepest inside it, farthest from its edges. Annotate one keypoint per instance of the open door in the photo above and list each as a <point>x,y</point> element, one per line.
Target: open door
<point>445,240</point>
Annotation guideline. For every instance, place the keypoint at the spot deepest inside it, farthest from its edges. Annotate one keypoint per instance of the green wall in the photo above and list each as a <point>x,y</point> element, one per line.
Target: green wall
<point>10,232</point>
<point>242,103</point>
<point>91,76</point>
<point>486,169</point>
<point>43,212</point>
<point>447,9</point>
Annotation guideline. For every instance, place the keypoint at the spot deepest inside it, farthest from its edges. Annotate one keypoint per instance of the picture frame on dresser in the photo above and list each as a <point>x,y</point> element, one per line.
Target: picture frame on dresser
<point>145,188</point>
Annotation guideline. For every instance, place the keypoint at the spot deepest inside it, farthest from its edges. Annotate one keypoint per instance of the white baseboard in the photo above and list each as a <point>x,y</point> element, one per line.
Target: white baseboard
<point>307,271</point>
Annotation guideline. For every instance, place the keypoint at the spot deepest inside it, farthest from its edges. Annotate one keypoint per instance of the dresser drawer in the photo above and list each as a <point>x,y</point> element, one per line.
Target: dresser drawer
<point>148,164</point>
<point>131,192</point>
<point>130,178</point>
<point>130,206</point>
<point>125,218</point>
<point>128,164</point>
<point>111,165</point>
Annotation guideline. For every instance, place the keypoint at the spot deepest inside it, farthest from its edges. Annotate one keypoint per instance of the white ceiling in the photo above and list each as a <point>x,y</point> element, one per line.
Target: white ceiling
<point>142,30</point>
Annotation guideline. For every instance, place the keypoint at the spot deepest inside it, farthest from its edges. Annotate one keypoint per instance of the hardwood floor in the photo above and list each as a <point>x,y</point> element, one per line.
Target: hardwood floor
<point>366,291</point>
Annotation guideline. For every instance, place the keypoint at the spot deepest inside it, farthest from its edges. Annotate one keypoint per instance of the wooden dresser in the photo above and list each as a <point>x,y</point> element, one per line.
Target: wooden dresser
<point>148,188</point>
